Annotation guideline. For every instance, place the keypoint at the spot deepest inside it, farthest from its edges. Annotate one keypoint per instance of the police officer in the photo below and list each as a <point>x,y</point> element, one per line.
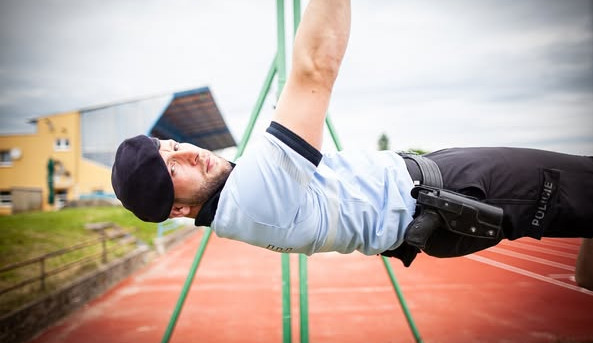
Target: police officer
<point>285,195</point>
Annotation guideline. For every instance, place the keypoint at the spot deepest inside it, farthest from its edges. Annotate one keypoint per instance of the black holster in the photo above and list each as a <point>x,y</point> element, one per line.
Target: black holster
<point>446,210</point>
<point>445,224</point>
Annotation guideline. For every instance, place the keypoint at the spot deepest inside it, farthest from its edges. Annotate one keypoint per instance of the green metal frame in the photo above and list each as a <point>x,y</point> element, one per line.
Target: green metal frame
<point>278,69</point>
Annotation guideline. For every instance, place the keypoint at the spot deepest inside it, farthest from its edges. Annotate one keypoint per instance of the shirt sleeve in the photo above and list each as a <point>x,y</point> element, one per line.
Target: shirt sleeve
<point>295,142</point>
<point>268,193</point>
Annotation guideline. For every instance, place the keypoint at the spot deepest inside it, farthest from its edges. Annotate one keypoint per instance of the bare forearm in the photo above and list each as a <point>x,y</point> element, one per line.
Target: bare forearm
<point>584,266</point>
<point>319,48</point>
<point>322,39</point>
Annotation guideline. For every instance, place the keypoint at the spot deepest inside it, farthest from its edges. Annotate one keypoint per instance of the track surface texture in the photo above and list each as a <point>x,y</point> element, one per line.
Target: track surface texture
<point>520,291</point>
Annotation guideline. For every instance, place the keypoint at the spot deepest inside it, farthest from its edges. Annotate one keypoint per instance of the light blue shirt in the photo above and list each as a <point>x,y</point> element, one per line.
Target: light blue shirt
<point>277,199</point>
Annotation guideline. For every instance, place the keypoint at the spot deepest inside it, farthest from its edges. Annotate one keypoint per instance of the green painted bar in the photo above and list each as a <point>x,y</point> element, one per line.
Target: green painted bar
<point>286,317</point>
<point>281,48</point>
<point>304,298</point>
<point>241,148</point>
<point>246,135</point>
<point>279,68</point>
<point>332,131</point>
<point>257,108</point>
<point>296,12</point>
<point>400,296</point>
<point>303,273</point>
<point>186,286</point>
<point>281,72</point>
<point>402,300</point>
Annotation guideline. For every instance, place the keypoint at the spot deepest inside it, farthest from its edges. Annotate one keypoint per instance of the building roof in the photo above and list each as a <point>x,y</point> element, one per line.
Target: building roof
<point>193,117</point>
<point>189,116</point>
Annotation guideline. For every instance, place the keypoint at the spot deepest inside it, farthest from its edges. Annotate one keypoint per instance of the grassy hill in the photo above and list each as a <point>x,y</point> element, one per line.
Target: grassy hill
<point>29,235</point>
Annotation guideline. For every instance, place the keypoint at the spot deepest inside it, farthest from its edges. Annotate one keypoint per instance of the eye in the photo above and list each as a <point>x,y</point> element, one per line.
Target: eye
<point>175,146</point>
<point>173,168</point>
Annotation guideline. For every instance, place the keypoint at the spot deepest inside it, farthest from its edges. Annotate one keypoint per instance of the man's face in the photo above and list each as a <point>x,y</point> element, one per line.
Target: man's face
<point>196,173</point>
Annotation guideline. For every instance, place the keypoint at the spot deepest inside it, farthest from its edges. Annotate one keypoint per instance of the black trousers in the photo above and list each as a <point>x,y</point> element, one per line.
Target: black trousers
<point>542,193</point>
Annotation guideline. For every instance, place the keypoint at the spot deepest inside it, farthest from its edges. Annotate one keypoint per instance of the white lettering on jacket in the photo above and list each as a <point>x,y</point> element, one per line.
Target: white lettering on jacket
<point>542,206</point>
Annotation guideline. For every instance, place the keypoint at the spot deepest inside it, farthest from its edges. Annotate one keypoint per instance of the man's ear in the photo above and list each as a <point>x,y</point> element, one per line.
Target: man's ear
<point>179,211</point>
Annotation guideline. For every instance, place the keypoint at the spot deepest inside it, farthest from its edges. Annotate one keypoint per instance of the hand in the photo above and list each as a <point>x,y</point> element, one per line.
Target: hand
<point>584,266</point>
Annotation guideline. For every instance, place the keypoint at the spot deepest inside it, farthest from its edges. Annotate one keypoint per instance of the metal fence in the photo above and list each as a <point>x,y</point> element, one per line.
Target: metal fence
<point>123,239</point>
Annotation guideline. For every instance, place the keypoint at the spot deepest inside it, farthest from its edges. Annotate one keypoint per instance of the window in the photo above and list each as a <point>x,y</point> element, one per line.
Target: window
<point>5,198</point>
<point>5,158</point>
<point>62,144</point>
<point>61,197</point>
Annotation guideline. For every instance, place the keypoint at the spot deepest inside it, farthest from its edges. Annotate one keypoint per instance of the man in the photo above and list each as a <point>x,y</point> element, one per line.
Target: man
<point>284,195</point>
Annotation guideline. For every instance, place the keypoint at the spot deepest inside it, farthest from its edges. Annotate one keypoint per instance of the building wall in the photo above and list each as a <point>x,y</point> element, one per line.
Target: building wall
<point>58,138</point>
<point>95,178</point>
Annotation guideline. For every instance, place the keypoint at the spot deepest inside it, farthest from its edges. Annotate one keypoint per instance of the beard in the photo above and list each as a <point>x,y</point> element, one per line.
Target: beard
<point>209,187</point>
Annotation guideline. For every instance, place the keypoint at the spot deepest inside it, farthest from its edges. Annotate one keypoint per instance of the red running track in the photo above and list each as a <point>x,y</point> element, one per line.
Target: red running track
<point>520,291</point>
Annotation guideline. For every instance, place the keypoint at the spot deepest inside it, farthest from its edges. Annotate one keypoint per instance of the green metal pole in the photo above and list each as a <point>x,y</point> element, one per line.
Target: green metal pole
<point>400,296</point>
<point>186,286</point>
<point>286,318</point>
<point>304,298</point>
<point>303,273</point>
<point>257,108</point>
<point>281,41</point>
<point>296,12</point>
<point>332,131</point>
<point>281,69</point>
<point>246,135</point>
<point>402,300</point>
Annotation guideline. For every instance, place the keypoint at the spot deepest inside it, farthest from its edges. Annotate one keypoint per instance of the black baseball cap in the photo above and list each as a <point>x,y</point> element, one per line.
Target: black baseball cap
<point>141,180</point>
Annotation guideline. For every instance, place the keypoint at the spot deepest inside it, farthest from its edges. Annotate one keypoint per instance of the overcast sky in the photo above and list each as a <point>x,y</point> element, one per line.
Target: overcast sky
<point>429,74</point>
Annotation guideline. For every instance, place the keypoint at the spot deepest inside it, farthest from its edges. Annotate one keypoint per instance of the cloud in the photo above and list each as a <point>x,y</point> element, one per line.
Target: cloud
<point>429,73</point>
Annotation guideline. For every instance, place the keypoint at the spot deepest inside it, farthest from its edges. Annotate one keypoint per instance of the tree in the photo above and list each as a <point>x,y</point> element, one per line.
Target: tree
<point>417,151</point>
<point>383,142</point>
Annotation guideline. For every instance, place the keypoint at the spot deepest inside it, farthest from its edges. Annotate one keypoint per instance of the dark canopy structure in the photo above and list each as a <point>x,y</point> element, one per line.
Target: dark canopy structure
<point>193,117</point>
<point>189,116</point>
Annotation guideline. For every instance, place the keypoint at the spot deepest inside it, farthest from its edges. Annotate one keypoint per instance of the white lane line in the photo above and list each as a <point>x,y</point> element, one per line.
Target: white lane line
<point>543,250</point>
<point>562,276</point>
<point>527,273</point>
<point>554,243</point>
<point>531,258</point>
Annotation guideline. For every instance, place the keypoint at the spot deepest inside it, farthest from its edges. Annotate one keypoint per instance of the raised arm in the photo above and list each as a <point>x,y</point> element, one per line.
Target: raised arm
<point>319,48</point>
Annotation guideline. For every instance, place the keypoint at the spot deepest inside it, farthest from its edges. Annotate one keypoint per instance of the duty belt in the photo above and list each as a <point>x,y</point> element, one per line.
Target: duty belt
<point>437,207</point>
<point>423,170</point>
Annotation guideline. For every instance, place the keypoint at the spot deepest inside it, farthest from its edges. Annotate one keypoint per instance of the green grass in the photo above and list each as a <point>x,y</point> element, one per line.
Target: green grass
<point>29,235</point>
<point>24,236</point>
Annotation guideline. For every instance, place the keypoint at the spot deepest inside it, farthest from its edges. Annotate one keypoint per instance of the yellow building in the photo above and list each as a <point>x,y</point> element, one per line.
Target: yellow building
<point>69,156</point>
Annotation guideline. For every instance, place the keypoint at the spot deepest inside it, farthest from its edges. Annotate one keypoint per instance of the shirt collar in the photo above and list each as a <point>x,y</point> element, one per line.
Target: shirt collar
<point>206,214</point>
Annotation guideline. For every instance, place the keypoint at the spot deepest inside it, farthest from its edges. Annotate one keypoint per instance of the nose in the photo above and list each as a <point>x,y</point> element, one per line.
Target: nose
<point>186,155</point>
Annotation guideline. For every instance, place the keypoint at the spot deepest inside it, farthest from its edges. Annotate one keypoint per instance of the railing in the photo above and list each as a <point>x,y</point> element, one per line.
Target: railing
<point>121,236</point>
<point>170,225</point>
